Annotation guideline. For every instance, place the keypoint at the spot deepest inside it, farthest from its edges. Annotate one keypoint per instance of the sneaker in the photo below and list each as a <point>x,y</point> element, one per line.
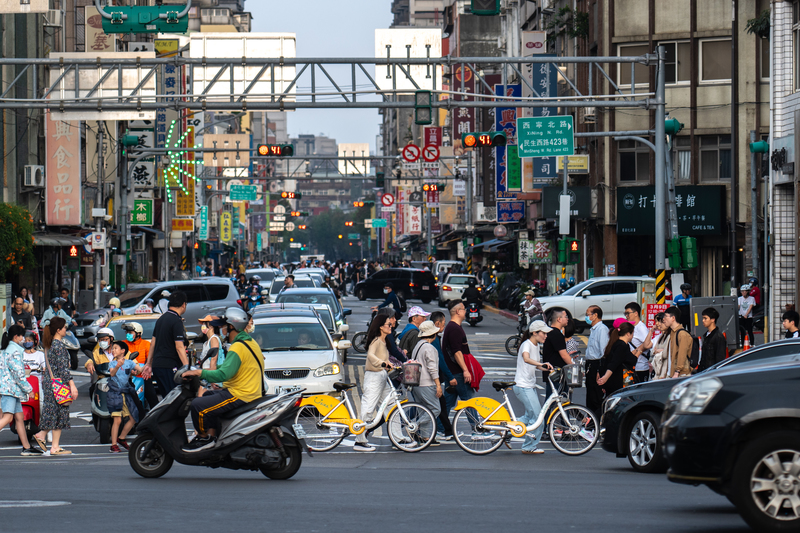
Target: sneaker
<point>199,443</point>
<point>114,449</point>
<point>447,437</point>
<point>480,436</point>
<point>435,443</point>
<point>123,443</point>
<point>32,452</point>
<point>536,451</point>
<point>363,447</point>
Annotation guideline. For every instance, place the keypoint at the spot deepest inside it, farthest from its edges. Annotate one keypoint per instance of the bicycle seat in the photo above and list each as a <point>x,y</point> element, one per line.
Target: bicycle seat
<point>500,385</point>
<point>343,386</point>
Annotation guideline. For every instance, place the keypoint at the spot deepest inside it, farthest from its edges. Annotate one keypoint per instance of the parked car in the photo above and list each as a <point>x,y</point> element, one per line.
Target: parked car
<point>316,295</point>
<point>300,281</point>
<point>407,282</point>
<point>631,416</point>
<point>298,352</point>
<point>737,431</point>
<point>453,287</point>
<point>610,293</point>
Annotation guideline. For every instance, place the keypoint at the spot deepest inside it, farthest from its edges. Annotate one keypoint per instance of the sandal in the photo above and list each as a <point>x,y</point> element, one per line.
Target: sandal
<point>42,444</point>
<point>61,451</point>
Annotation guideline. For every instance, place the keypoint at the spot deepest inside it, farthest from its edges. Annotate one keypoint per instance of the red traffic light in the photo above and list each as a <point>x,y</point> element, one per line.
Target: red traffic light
<point>430,187</point>
<point>302,226</point>
<point>196,246</point>
<point>73,251</point>
<point>348,223</point>
<point>294,213</point>
<point>290,195</point>
<point>573,246</point>
<point>470,140</point>
<point>276,150</point>
<point>358,204</point>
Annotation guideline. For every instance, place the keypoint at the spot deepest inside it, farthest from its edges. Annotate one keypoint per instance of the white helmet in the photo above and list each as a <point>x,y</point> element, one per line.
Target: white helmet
<point>105,332</point>
<point>745,287</point>
<point>236,317</point>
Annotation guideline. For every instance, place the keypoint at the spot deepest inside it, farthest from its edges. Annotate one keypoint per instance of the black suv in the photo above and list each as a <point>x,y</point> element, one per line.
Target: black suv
<point>630,421</point>
<point>407,283</point>
<point>737,430</point>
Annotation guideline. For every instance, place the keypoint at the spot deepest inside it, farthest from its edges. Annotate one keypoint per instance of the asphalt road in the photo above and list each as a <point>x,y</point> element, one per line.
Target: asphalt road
<point>441,488</point>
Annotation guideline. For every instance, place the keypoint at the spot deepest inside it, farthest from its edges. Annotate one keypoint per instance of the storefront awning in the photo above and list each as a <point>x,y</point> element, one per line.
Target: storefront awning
<point>490,246</point>
<point>57,240</point>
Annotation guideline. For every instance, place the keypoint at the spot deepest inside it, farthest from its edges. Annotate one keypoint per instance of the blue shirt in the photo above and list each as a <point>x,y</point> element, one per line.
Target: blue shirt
<point>391,298</point>
<point>681,300</point>
<point>408,328</point>
<point>124,372</point>
<point>598,340</point>
<point>444,372</point>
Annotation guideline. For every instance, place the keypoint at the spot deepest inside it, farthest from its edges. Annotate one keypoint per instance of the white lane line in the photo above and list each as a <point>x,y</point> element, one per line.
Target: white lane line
<point>480,333</point>
<point>31,503</point>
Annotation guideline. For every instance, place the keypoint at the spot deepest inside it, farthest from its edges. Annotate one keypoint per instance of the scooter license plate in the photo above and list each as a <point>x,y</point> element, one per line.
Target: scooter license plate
<point>299,432</point>
<point>79,332</point>
<point>473,315</point>
<point>426,287</point>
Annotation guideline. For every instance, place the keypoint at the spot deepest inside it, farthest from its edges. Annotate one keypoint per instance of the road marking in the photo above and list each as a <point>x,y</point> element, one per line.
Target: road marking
<point>480,333</point>
<point>31,503</point>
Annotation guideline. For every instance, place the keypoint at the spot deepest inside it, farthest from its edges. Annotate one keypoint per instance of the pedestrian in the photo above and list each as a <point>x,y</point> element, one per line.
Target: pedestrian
<point>391,343</point>
<point>168,354</point>
<point>595,349</point>
<point>18,315</point>
<point>528,360</point>
<point>617,359</point>
<point>455,347</point>
<point>429,389</point>
<point>374,387</point>
<point>68,306</point>
<point>790,321</point>
<point>641,343</point>
<point>555,347</point>
<point>680,346</point>
<point>662,360</point>
<point>746,305</point>
<point>14,388</point>
<point>445,428</point>
<point>27,298</point>
<point>121,369</point>
<point>682,301</point>
<point>410,334</point>
<point>33,358</point>
<point>714,343</point>
<point>55,416</point>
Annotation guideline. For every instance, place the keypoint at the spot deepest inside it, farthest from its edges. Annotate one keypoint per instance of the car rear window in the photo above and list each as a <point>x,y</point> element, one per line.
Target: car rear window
<point>132,297</point>
<point>217,292</point>
<point>459,280</point>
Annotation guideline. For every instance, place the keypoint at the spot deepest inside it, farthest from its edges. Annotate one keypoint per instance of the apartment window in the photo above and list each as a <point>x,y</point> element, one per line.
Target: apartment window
<point>715,60</point>
<point>715,157</point>
<point>641,72</point>
<point>682,164</point>
<point>678,62</point>
<point>634,161</point>
<point>766,59</point>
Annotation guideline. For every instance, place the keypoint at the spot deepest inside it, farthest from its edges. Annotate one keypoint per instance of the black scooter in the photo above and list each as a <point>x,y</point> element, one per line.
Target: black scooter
<point>256,436</point>
<point>474,313</point>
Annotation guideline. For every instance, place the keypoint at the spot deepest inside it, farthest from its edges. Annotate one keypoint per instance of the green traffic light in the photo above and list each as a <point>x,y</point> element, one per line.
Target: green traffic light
<point>672,126</point>
<point>759,147</point>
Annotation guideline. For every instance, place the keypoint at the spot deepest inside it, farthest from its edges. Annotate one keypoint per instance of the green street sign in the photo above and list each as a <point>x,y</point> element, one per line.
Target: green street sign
<point>380,223</point>
<point>142,213</point>
<point>243,193</point>
<point>259,243</point>
<point>353,236</point>
<point>203,233</point>
<point>545,136</point>
<point>145,19</point>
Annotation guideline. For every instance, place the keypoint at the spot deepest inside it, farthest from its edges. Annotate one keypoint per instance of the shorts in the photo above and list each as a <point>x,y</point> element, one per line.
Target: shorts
<point>124,411</point>
<point>10,404</point>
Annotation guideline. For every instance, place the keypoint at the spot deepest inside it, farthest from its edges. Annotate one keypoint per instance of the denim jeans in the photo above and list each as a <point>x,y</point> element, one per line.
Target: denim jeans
<point>530,399</point>
<point>463,391</point>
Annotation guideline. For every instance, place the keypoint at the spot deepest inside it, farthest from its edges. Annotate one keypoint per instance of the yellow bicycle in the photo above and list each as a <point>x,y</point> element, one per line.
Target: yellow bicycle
<point>482,425</point>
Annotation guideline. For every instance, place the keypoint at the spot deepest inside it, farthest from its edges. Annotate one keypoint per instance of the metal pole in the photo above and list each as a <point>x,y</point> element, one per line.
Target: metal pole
<point>672,209</point>
<point>660,141</point>
<point>754,207</point>
<point>167,231</point>
<point>98,227</point>
<point>734,173</point>
<point>566,174</point>
<point>124,234</point>
<point>428,223</point>
<point>470,227</point>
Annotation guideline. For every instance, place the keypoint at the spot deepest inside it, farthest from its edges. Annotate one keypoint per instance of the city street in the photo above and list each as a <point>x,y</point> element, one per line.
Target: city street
<point>440,488</point>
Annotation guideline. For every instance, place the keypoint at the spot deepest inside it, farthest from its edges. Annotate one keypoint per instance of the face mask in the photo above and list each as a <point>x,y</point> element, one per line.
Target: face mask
<point>587,319</point>
<point>203,329</point>
<point>104,345</point>
<point>27,345</point>
<point>130,337</point>
<point>250,329</point>
<point>386,291</point>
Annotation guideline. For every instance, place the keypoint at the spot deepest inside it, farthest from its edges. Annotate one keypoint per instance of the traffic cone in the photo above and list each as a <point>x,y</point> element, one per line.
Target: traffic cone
<point>746,343</point>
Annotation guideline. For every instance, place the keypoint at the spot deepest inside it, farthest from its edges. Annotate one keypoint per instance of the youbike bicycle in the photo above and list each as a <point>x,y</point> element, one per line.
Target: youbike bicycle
<point>327,420</point>
<point>482,425</point>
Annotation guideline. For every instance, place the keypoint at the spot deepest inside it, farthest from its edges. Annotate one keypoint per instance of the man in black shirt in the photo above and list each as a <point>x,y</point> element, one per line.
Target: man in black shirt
<point>791,321</point>
<point>555,346</point>
<point>68,306</point>
<point>454,347</point>
<point>714,343</point>
<point>19,315</point>
<point>169,354</point>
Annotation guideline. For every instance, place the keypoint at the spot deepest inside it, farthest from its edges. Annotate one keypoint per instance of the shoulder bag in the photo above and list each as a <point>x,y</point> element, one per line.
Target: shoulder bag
<point>61,392</point>
<point>260,366</point>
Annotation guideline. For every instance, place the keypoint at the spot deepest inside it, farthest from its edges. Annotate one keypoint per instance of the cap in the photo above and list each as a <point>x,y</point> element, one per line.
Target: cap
<point>133,326</point>
<point>217,322</point>
<point>530,293</point>
<point>428,329</point>
<point>417,311</point>
<point>539,325</point>
<point>209,318</point>
<point>104,332</point>
<point>618,322</point>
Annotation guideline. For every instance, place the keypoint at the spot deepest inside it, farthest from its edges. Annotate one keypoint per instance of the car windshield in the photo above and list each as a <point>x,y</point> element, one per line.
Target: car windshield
<point>321,298</point>
<point>291,337</point>
<point>132,297</point>
<point>277,285</point>
<point>577,288</point>
<point>265,274</point>
<point>458,280</point>
<point>147,327</point>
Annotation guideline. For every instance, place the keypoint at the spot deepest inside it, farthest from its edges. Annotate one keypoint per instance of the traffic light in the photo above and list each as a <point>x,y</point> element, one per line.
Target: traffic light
<point>276,150</point>
<point>573,251</point>
<point>431,187</point>
<point>759,147</point>
<point>380,181</point>
<point>562,251</point>
<point>358,204</point>
<point>672,126</point>
<point>674,253</point>
<point>689,252</point>
<point>348,223</point>
<point>196,246</point>
<point>423,112</point>
<point>483,138</point>
<point>236,214</point>
<point>369,203</point>
<point>298,213</point>
<point>341,236</point>
<point>486,7</point>
<point>291,195</point>
<point>302,226</point>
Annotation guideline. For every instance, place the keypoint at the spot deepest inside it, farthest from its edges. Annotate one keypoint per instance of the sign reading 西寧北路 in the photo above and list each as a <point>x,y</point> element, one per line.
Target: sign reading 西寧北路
<point>545,136</point>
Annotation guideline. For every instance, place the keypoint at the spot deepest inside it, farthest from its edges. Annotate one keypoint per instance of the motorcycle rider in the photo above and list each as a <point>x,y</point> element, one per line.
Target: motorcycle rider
<point>55,310</point>
<point>163,303</point>
<point>531,305</point>
<point>241,375</point>
<point>102,350</point>
<point>391,299</point>
<point>471,293</point>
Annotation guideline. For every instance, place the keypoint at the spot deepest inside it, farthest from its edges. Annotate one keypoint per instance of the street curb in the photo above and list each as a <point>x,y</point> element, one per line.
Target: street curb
<point>495,310</point>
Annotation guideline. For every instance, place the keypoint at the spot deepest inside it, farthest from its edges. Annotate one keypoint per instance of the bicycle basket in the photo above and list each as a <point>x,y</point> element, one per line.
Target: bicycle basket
<point>411,373</point>
<point>574,375</point>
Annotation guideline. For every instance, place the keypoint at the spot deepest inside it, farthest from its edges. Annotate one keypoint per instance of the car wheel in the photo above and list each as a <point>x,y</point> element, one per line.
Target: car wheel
<point>73,359</point>
<point>361,295</point>
<point>644,444</point>
<point>427,300</point>
<point>765,485</point>
<point>441,303</point>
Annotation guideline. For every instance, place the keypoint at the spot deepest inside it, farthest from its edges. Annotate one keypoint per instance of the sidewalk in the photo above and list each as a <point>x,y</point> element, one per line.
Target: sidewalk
<point>501,312</point>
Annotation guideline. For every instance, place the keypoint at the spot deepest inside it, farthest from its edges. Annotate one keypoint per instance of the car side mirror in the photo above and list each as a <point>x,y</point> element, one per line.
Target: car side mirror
<point>586,293</point>
<point>344,344</point>
<point>343,328</point>
<point>347,312</point>
<point>337,336</point>
<point>265,292</point>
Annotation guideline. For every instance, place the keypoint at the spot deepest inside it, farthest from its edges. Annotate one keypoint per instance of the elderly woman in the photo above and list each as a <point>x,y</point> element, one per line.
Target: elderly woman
<point>429,389</point>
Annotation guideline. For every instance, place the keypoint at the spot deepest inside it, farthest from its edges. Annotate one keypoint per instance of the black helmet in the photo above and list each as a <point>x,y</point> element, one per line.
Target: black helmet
<point>686,287</point>
<point>753,281</point>
<point>471,282</point>
<point>57,301</point>
<point>389,284</point>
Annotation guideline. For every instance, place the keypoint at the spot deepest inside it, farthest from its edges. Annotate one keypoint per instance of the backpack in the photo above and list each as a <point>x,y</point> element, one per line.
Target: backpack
<point>403,307</point>
<point>694,357</point>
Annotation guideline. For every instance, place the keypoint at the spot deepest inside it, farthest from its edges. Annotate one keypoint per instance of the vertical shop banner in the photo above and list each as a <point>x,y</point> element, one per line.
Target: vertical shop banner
<point>186,200</point>
<point>203,233</point>
<point>544,78</point>
<point>95,39</point>
<point>63,172</point>
<point>167,125</point>
<point>432,135</point>
<point>525,248</point>
<point>401,211</point>
<point>143,175</point>
<point>414,220</point>
<point>507,164</point>
<point>225,229</point>
<point>463,117</point>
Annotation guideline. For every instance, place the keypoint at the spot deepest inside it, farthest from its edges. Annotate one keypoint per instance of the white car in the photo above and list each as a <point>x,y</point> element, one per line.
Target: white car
<point>453,287</point>
<point>299,353</point>
<point>299,281</point>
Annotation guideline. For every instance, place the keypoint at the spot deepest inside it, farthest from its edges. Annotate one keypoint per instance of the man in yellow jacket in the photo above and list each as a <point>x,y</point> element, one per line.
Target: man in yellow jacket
<point>242,376</point>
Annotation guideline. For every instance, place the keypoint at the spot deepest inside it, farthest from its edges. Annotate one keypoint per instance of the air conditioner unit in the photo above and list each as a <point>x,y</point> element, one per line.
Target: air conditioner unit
<point>54,18</point>
<point>589,115</point>
<point>34,176</point>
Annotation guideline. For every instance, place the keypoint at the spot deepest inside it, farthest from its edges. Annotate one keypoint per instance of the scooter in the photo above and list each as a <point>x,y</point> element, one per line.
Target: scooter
<point>31,408</point>
<point>260,435</point>
<point>98,392</point>
<point>73,347</point>
<point>474,313</point>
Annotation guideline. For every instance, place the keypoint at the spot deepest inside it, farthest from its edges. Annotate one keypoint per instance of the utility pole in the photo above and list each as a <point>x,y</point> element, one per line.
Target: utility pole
<point>661,184</point>
<point>734,138</point>
<point>754,208</point>
<point>98,227</point>
<point>124,221</point>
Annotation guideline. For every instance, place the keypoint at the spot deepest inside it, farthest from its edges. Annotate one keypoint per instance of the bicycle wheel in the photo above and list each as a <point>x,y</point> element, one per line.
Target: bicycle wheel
<point>512,344</point>
<point>358,342</point>
<point>474,441</point>
<point>416,434</point>
<point>577,434</point>
<point>320,437</point>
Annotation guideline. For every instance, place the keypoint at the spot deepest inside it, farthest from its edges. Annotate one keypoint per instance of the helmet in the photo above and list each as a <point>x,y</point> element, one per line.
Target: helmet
<point>133,326</point>
<point>686,287</point>
<point>744,288</point>
<point>165,293</point>
<point>471,282</point>
<point>571,281</point>
<point>116,311</point>
<point>104,332</point>
<point>753,281</point>
<point>562,283</point>
<point>149,301</point>
<point>255,279</point>
<point>114,302</point>
<point>57,301</point>
<point>237,318</point>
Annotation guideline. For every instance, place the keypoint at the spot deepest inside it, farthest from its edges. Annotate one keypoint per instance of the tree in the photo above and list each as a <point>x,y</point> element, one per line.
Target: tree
<point>16,240</point>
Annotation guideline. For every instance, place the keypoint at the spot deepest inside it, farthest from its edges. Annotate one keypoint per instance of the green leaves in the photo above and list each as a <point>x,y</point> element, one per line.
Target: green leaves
<point>16,240</point>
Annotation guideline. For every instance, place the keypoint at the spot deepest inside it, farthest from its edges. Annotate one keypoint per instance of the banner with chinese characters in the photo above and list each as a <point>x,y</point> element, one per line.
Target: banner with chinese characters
<point>463,117</point>
<point>507,164</point>
<point>542,252</point>
<point>700,209</point>
<point>524,248</point>
<point>183,224</point>
<point>63,172</point>
<point>414,224</point>
<point>225,228</point>
<point>203,233</point>
<point>96,40</point>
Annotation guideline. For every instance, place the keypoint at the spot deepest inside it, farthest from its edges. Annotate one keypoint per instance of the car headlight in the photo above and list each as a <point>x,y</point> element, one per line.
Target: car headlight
<point>677,391</point>
<point>330,369</point>
<point>610,403</point>
<point>697,395</point>
<point>100,322</point>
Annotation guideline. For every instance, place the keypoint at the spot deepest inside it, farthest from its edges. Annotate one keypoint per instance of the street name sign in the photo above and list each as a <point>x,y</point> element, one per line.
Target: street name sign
<point>243,193</point>
<point>545,136</point>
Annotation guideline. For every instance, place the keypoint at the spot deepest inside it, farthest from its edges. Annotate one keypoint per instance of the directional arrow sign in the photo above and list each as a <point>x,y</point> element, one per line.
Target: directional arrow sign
<point>387,200</point>
<point>545,136</point>
<point>430,153</point>
<point>411,152</point>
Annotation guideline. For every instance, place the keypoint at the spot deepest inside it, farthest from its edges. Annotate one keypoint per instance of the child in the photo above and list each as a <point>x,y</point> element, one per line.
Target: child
<point>120,369</point>
<point>33,357</point>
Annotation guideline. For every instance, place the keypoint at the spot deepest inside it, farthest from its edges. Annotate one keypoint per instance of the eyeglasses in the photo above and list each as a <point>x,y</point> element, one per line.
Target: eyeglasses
<point>627,313</point>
